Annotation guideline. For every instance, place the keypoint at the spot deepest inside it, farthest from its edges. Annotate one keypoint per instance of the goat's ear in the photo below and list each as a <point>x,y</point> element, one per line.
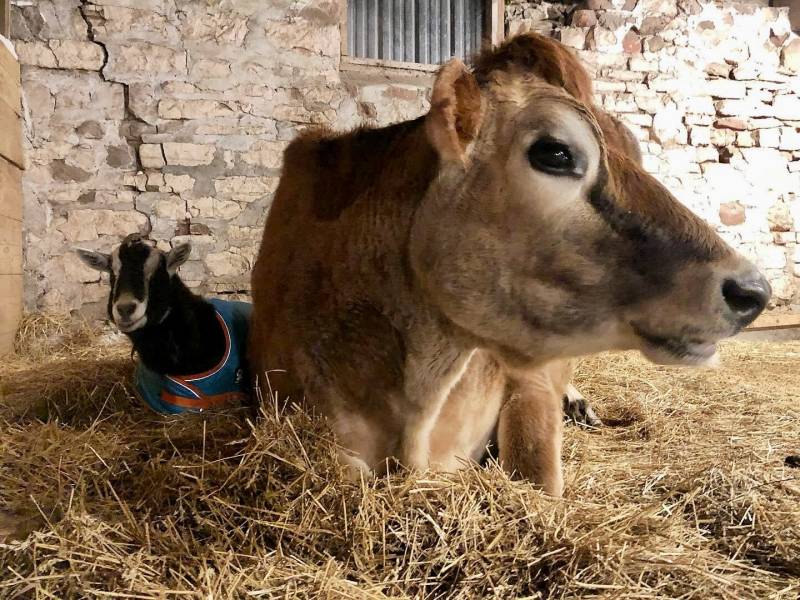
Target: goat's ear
<point>95,260</point>
<point>177,256</point>
<point>455,116</point>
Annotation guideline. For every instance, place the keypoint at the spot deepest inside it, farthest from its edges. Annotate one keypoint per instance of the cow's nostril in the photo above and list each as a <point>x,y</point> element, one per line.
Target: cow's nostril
<point>126,309</point>
<point>746,297</point>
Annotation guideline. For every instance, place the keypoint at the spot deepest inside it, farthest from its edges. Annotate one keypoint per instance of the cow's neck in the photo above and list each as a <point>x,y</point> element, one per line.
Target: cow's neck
<point>189,340</point>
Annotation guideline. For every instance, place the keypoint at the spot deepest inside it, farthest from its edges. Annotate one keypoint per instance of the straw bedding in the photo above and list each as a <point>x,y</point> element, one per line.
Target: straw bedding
<point>684,492</point>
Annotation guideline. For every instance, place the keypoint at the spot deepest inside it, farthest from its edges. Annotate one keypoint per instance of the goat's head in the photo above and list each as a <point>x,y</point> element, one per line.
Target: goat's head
<point>140,276</point>
<point>542,237</point>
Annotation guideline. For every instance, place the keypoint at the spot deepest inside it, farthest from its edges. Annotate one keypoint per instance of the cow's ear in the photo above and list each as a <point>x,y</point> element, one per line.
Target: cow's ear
<point>177,256</point>
<point>95,260</point>
<point>455,116</point>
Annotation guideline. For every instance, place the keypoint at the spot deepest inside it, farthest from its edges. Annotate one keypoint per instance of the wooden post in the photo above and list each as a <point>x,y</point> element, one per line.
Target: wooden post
<point>5,18</point>
<point>11,164</point>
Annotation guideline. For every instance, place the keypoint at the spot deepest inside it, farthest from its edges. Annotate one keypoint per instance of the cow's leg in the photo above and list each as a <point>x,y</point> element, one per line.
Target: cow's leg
<point>578,410</point>
<point>430,375</point>
<point>529,432</point>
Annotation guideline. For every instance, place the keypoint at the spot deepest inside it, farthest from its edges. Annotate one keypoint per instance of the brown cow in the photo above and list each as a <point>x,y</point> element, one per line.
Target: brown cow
<point>420,284</point>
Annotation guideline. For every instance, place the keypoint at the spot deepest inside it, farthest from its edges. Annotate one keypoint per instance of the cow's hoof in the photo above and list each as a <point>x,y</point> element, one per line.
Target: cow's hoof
<point>578,410</point>
<point>792,461</point>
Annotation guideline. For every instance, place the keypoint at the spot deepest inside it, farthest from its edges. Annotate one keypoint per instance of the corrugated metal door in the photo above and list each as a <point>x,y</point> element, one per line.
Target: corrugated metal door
<point>419,31</point>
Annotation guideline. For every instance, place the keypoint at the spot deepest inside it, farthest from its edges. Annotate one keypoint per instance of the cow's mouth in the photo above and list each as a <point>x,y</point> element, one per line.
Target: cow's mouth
<point>128,326</point>
<point>677,350</point>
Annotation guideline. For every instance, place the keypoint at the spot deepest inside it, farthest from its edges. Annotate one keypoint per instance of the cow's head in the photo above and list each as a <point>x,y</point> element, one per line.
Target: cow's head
<point>543,236</point>
<point>140,277</point>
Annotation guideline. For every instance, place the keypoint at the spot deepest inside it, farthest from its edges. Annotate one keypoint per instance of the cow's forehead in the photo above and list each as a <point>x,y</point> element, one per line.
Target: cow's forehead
<point>136,250</point>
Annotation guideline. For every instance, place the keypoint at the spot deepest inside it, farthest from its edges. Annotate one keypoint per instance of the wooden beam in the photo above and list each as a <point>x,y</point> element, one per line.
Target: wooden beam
<point>779,321</point>
<point>10,80</point>
<point>5,18</point>
<point>495,22</point>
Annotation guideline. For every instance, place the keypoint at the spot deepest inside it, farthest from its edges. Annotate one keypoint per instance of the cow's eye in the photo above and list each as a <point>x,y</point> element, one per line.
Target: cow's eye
<point>551,156</point>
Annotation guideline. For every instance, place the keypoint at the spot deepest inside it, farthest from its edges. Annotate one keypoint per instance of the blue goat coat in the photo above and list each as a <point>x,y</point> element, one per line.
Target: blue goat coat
<point>224,385</point>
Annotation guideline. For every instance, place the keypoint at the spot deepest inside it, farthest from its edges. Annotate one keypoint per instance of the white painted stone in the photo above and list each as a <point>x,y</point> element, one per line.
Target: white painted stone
<point>769,138</point>
<point>790,139</point>
<point>700,136</point>
<point>725,88</point>
<point>786,107</point>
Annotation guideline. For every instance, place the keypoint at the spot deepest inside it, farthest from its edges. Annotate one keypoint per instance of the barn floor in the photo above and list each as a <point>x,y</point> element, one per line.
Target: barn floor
<point>683,494</point>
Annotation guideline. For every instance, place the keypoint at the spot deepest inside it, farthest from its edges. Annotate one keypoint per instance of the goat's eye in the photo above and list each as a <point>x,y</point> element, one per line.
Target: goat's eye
<point>552,156</point>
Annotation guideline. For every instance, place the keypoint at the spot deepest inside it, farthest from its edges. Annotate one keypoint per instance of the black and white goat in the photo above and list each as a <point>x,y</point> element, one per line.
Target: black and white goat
<point>192,348</point>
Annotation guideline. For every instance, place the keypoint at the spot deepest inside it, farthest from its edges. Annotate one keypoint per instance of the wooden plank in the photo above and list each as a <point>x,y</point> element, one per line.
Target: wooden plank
<point>10,190</point>
<point>10,309</point>
<point>9,80</point>
<point>5,18</point>
<point>6,343</point>
<point>10,246</point>
<point>495,31</point>
<point>779,321</point>
<point>11,139</point>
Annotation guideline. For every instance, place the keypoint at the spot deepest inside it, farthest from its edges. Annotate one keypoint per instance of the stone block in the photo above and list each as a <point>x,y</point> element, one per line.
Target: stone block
<point>654,44</point>
<point>725,88</point>
<point>603,86</point>
<point>188,155</point>
<point>702,105</point>
<point>170,207</point>
<point>786,107</point>
<point>632,43</point>
<point>783,288</point>
<point>718,69</point>
<point>245,188</point>
<point>763,123</point>
<point>654,24</point>
<point>768,138</point>
<point>639,64</point>
<point>668,126</point>
<point>790,55</point>
<point>638,119</point>
<point>144,62</point>
<point>267,154</point>
<point>732,214</point>
<point>700,136</point>
<point>584,18</point>
<point>771,257</point>
<point>745,139</point>
<point>574,37</point>
<point>695,119</point>
<point>169,108</point>
<point>779,217</point>
<point>151,156</point>
<point>179,183</point>
<point>89,224</point>
<point>650,103</point>
<point>790,139</point>
<point>743,108</point>
<point>225,264</point>
<point>734,123</point>
<point>213,208</point>
<point>601,39</point>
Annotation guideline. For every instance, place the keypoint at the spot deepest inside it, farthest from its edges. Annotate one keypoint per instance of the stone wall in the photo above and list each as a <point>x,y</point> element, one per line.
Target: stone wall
<point>170,117</point>
<point>711,91</point>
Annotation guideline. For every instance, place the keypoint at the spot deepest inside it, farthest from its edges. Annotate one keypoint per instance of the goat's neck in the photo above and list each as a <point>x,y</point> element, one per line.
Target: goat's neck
<point>187,341</point>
